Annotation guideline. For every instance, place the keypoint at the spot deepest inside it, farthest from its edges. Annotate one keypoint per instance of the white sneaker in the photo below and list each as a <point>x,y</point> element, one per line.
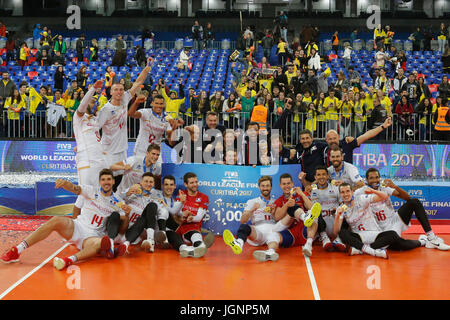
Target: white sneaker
<point>381,253</point>
<point>148,245</point>
<point>265,255</point>
<point>354,251</point>
<point>200,251</point>
<point>423,240</point>
<point>326,243</point>
<point>437,243</point>
<point>59,263</point>
<point>193,252</point>
<point>186,251</point>
<point>307,250</point>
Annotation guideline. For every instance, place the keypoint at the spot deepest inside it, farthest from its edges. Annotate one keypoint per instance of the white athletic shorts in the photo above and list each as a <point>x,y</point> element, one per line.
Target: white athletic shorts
<point>329,221</point>
<point>399,226</point>
<point>264,235</point>
<point>112,158</point>
<point>88,168</point>
<point>81,233</point>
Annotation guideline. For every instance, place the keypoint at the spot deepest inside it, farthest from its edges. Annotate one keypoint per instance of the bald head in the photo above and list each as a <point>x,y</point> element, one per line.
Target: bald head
<point>332,137</point>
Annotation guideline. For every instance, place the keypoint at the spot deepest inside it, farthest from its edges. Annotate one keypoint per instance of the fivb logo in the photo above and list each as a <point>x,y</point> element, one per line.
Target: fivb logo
<point>74,21</point>
<point>375,19</point>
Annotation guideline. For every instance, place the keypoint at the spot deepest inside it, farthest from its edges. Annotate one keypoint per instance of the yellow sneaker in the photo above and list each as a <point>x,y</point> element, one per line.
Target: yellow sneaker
<point>312,214</point>
<point>229,239</point>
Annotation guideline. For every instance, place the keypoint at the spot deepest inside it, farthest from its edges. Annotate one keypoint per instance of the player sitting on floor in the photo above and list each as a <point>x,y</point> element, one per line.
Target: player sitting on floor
<point>87,231</point>
<point>290,213</point>
<point>364,235</point>
<point>388,219</point>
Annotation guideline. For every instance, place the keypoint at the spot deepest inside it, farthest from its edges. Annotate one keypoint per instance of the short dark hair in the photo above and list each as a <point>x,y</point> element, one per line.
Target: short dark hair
<point>188,176</point>
<point>285,176</point>
<point>153,146</point>
<point>345,184</point>
<point>305,131</point>
<point>335,147</point>
<point>169,177</point>
<point>106,172</point>
<point>321,167</point>
<point>264,178</point>
<point>158,96</point>
<point>253,123</point>
<point>371,170</point>
<point>148,174</point>
<point>211,113</point>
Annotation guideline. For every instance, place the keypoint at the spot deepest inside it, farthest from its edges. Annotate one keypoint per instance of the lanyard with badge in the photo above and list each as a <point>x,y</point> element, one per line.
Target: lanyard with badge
<point>151,169</point>
<point>267,208</point>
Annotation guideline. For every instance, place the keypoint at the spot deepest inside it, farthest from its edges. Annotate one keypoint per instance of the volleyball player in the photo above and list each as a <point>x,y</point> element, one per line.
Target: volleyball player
<point>112,118</point>
<point>341,171</point>
<point>388,219</point>
<point>135,166</point>
<point>154,124</point>
<point>328,196</point>
<point>360,229</point>
<point>294,227</point>
<point>260,211</point>
<point>88,231</point>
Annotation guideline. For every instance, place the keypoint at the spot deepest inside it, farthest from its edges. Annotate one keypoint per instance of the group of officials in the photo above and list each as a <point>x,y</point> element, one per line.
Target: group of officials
<point>118,204</point>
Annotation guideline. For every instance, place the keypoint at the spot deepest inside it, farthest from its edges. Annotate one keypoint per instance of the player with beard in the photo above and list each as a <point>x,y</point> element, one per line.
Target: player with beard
<point>87,231</point>
<point>341,171</point>
<point>388,219</point>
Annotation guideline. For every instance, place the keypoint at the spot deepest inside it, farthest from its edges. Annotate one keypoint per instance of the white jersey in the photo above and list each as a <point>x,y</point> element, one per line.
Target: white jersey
<point>328,198</point>
<point>113,121</point>
<point>383,211</point>
<point>138,168</point>
<point>96,208</point>
<point>359,217</point>
<point>138,203</point>
<point>263,213</point>
<point>151,130</point>
<point>54,113</point>
<point>87,137</point>
<point>349,173</point>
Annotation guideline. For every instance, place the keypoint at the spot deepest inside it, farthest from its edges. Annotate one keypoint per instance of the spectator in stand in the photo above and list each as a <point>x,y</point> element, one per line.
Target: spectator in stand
<point>43,58</point>
<point>404,112</point>
<point>197,35</point>
<point>10,49</point>
<point>60,46</point>
<point>378,37</point>
<point>216,103</point>
<point>23,55</point>
<point>82,78</point>
<point>14,104</point>
<point>412,88</point>
<point>353,36</point>
<point>59,78</point>
<point>314,61</point>
<point>445,58</point>
<point>283,22</point>
<point>377,118</point>
<point>341,80</point>
<point>347,55</point>
<point>399,81</point>
<point>267,44</point>
<point>427,37</point>
<point>381,57</point>
<point>45,41</point>
<point>73,87</point>
<point>209,35</point>
<point>120,56</point>
<point>282,52</point>
<point>80,46</point>
<point>416,38</point>
<point>58,59</point>
<point>94,50</point>
<point>423,87</point>
<point>7,86</point>
<point>37,32</point>
<point>425,110</point>
<point>231,109</point>
<point>140,57</point>
<point>444,88</point>
<point>146,34</point>
<point>442,37</point>
<point>184,59</point>
<point>389,38</point>
<point>109,80</point>
<point>354,77</point>
<point>335,42</point>
<point>2,30</point>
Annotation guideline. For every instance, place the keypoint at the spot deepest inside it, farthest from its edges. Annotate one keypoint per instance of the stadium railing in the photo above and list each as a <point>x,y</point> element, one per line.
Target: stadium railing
<point>413,128</point>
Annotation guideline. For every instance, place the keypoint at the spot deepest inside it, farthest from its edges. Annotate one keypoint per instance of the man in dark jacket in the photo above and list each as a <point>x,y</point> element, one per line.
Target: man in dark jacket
<point>80,46</point>
<point>267,44</point>
<point>6,88</point>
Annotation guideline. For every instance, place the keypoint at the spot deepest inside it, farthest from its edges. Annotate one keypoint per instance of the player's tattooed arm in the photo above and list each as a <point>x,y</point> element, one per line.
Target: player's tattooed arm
<point>67,185</point>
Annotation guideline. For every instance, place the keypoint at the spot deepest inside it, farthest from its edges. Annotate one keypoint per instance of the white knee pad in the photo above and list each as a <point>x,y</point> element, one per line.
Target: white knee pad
<point>273,237</point>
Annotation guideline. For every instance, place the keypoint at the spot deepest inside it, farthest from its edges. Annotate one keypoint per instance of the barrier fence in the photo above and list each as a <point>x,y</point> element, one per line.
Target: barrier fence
<point>411,127</point>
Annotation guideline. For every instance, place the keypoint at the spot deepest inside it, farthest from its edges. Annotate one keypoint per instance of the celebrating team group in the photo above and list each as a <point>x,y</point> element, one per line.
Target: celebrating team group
<point>118,204</point>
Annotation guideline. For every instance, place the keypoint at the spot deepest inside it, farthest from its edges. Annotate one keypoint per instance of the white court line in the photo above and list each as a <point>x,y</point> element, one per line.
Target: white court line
<point>312,279</point>
<point>33,271</point>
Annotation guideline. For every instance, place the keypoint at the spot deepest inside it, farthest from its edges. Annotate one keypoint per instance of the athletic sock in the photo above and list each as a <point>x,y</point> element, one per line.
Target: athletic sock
<point>240,242</point>
<point>150,233</point>
<point>126,243</point>
<point>22,246</point>
<point>72,259</point>
<point>367,249</point>
<point>309,241</point>
<point>271,251</point>
<point>197,239</point>
<point>430,236</point>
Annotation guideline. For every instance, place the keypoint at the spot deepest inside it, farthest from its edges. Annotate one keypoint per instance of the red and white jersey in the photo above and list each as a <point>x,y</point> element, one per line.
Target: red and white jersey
<point>328,198</point>
<point>134,175</point>
<point>194,203</point>
<point>348,173</point>
<point>87,135</point>
<point>113,121</point>
<point>382,211</point>
<point>96,208</point>
<point>281,201</point>
<point>151,130</point>
<point>359,216</point>
<point>263,213</point>
<point>138,203</point>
